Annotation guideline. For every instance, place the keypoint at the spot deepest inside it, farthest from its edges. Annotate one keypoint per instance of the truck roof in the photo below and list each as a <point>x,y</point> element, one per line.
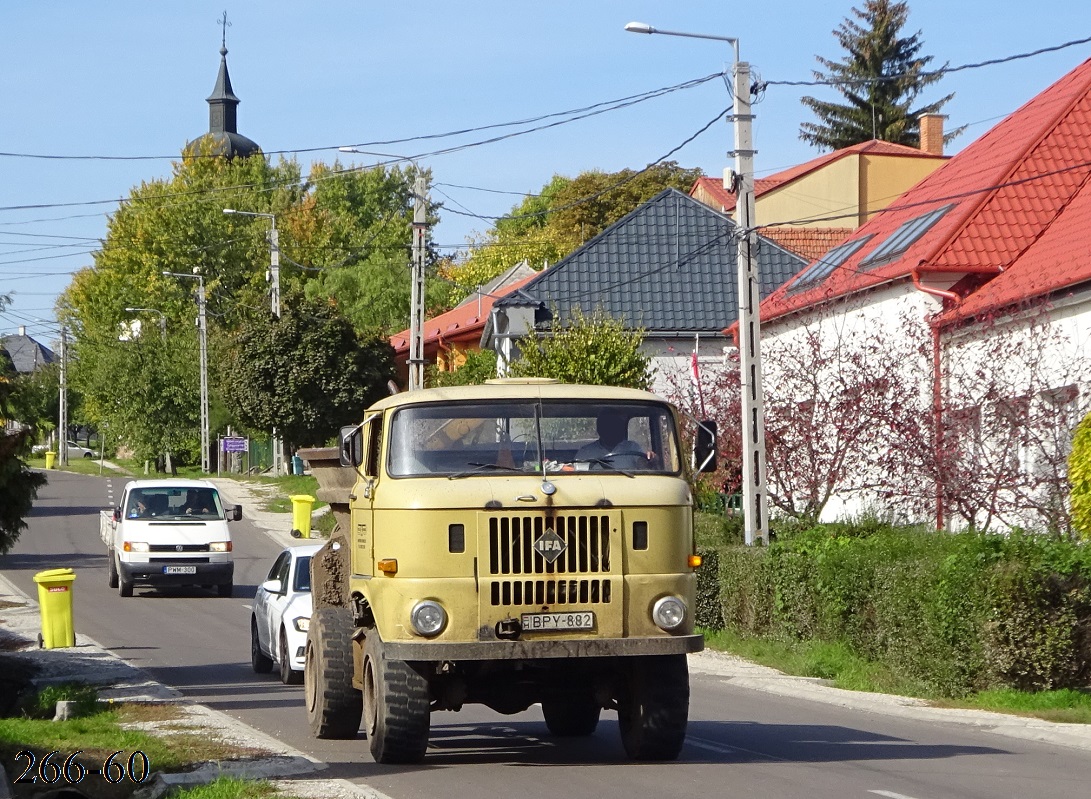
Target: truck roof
<point>517,388</point>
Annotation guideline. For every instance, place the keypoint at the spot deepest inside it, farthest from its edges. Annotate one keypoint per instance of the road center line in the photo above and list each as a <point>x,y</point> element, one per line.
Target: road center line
<point>891,794</point>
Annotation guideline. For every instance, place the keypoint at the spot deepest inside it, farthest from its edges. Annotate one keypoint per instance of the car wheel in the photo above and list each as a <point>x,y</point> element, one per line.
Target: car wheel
<point>124,588</point>
<point>111,576</point>
<point>261,662</point>
<point>333,705</point>
<point>288,675</point>
<point>87,455</point>
<point>225,590</point>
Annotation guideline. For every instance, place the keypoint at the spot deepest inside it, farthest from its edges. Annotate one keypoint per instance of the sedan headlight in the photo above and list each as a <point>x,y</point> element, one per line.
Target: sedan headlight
<point>669,613</point>
<point>302,624</point>
<point>428,618</point>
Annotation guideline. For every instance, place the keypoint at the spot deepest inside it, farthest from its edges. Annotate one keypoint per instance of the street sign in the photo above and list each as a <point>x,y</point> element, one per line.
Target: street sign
<point>235,444</point>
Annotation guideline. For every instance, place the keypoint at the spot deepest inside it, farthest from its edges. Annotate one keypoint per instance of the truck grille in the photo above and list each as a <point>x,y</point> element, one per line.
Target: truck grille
<point>550,592</point>
<point>586,551</point>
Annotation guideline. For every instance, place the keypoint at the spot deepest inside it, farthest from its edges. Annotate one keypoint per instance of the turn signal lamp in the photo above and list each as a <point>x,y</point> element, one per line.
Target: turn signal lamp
<point>695,561</point>
<point>389,566</point>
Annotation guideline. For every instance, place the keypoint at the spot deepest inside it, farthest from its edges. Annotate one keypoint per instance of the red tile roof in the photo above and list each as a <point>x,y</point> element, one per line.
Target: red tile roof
<point>808,242</point>
<point>1011,193</point>
<point>460,325</point>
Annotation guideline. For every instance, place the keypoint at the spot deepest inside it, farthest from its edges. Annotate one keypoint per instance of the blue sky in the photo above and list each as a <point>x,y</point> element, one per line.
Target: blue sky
<point>130,78</point>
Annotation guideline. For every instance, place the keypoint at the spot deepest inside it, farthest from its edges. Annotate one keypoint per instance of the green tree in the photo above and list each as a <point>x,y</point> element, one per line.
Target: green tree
<point>35,399</point>
<point>478,367</point>
<point>18,484</point>
<point>308,373</point>
<point>881,77</point>
<point>596,350</point>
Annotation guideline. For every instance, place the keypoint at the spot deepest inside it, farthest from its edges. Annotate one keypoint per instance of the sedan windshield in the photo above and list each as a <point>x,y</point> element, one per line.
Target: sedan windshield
<point>557,437</point>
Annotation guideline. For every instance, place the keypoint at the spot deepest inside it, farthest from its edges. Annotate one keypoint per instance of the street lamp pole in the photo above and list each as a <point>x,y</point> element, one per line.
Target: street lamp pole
<point>274,257</point>
<point>741,181</point>
<point>162,319</point>
<point>202,333</point>
<point>420,252</point>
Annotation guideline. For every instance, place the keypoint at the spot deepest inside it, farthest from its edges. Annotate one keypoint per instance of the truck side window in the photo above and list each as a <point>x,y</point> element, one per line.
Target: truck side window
<point>373,441</point>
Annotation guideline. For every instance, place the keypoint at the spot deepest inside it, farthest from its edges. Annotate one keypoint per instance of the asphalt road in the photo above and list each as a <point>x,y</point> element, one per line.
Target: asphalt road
<point>740,742</point>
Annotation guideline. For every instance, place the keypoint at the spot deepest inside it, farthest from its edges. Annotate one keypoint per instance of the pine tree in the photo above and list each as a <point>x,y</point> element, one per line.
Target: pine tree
<point>881,77</point>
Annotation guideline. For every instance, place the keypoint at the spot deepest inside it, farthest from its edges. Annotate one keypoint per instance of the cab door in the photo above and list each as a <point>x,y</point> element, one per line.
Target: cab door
<point>363,496</point>
<point>266,604</point>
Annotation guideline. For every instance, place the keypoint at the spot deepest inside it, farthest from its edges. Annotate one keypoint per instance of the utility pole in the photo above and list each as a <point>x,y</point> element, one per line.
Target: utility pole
<point>202,334</point>
<point>274,267</point>
<point>416,309</point>
<point>755,495</point>
<point>62,421</point>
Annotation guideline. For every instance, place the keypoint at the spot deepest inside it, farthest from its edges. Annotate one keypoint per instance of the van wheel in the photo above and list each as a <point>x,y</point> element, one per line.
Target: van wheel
<point>654,707</point>
<point>333,705</point>
<point>396,706</point>
<point>225,590</point>
<point>261,662</point>
<point>288,675</point>
<point>111,576</point>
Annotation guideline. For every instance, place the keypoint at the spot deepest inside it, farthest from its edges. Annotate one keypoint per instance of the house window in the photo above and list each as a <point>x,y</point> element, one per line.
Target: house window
<point>903,237</point>
<point>1007,435</point>
<point>824,266</point>
<point>962,436</point>
<point>1060,415</point>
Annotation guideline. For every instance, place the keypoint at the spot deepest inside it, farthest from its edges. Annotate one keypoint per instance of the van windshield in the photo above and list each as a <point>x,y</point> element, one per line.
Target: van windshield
<point>557,436</point>
<point>174,503</point>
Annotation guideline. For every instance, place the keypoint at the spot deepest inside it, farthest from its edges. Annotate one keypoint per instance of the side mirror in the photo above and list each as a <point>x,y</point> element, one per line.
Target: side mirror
<point>236,513</point>
<point>272,586</point>
<point>117,514</point>
<point>704,447</point>
<point>352,445</point>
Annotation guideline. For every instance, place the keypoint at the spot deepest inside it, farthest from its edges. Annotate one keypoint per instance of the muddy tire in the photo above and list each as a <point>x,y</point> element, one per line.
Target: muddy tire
<point>288,675</point>
<point>396,706</point>
<point>333,705</point>
<point>571,716</point>
<point>653,709</point>
<point>111,574</point>
<point>259,661</point>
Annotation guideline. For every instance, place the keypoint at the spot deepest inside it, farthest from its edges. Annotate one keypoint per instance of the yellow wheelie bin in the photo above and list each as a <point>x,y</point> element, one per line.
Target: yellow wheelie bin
<point>55,605</point>
<point>301,515</point>
<point>50,459</point>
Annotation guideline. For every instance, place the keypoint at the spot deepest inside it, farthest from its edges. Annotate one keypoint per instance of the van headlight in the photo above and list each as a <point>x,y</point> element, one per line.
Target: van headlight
<point>669,613</point>
<point>135,546</point>
<point>428,618</point>
<point>219,546</point>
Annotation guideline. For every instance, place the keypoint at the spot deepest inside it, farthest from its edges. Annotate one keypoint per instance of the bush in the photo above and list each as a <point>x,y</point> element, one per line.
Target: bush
<point>43,703</point>
<point>708,613</point>
<point>1079,477</point>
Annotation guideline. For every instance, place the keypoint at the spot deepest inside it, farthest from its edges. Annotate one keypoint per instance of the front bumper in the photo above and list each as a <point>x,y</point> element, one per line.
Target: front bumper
<point>542,649</point>
<point>152,573</point>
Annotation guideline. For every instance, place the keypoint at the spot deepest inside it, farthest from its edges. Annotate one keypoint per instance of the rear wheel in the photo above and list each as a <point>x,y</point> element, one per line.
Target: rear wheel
<point>333,705</point>
<point>111,577</point>
<point>654,707</point>
<point>571,716</point>
<point>225,590</point>
<point>288,675</point>
<point>261,662</point>
<point>396,706</point>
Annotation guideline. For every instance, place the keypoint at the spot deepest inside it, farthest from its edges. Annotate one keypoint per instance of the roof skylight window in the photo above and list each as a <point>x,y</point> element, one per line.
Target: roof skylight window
<point>903,237</point>
<point>824,266</point>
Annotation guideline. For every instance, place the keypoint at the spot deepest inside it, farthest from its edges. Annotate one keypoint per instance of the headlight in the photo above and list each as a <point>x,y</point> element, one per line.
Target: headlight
<point>219,546</point>
<point>302,624</point>
<point>135,546</point>
<point>669,612</point>
<point>428,618</point>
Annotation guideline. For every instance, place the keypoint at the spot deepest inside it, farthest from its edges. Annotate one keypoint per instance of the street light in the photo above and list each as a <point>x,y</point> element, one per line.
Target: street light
<point>274,256</point>
<point>162,319</point>
<point>202,332</point>
<point>416,299</point>
<point>741,181</point>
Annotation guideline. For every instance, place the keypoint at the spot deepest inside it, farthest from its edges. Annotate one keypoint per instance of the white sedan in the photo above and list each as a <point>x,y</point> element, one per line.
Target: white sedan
<point>74,450</point>
<point>282,612</point>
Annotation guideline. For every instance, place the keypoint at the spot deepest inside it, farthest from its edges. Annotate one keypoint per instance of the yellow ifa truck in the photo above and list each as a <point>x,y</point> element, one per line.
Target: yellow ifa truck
<point>509,544</point>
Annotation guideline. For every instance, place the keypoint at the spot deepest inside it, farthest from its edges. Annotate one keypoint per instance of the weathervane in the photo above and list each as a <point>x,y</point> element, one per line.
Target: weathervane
<point>223,21</point>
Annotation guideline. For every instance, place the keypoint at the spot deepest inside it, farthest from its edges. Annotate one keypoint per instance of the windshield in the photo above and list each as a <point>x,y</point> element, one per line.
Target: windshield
<point>526,436</point>
<point>174,503</point>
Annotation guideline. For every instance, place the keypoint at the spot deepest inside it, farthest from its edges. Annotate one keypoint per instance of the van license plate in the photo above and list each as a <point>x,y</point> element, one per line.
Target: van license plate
<point>581,620</point>
<point>179,570</point>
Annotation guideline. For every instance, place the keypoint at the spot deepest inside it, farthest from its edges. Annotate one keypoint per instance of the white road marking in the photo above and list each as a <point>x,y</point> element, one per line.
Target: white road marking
<point>724,749</point>
<point>891,794</point>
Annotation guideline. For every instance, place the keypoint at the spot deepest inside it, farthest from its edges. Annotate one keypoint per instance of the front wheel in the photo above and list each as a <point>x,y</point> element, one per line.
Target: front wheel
<point>333,705</point>
<point>111,576</point>
<point>259,661</point>
<point>653,710</point>
<point>396,706</point>
<point>288,675</point>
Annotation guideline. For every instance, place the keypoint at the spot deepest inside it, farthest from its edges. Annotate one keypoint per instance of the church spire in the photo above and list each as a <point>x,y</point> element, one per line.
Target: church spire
<point>223,105</point>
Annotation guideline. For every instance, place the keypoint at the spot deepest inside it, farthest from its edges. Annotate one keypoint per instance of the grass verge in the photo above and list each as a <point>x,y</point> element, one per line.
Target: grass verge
<point>836,664</point>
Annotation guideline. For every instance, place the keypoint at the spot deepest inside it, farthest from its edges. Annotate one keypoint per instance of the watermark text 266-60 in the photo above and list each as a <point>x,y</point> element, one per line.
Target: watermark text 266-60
<point>54,768</point>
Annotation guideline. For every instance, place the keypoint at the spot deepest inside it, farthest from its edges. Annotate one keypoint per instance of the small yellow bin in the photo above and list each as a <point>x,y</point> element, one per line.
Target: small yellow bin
<point>301,515</point>
<point>55,605</point>
<point>50,459</point>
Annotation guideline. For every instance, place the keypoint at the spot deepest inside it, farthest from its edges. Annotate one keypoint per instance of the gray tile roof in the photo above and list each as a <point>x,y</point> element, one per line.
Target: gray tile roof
<point>26,353</point>
<point>668,266</point>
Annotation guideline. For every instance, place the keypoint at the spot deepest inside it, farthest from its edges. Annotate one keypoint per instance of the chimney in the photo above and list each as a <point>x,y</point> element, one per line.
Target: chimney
<point>22,330</point>
<point>932,133</point>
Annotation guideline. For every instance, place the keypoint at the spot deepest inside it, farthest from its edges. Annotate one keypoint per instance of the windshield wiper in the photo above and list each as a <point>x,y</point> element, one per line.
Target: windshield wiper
<point>480,466</point>
<point>607,464</point>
